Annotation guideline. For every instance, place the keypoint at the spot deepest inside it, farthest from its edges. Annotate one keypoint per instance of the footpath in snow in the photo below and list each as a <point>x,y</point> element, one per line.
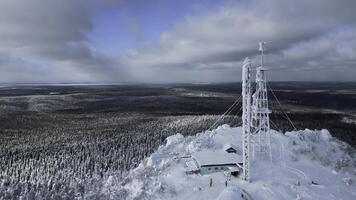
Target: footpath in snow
<point>305,165</point>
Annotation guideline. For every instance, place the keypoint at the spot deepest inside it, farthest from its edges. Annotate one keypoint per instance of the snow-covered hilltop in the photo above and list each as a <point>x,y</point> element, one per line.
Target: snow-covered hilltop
<point>305,165</point>
<point>248,162</point>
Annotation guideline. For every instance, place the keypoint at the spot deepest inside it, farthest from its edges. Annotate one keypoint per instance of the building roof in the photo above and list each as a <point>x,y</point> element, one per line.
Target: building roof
<point>210,157</point>
<point>228,146</point>
<point>231,146</point>
<point>191,166</point>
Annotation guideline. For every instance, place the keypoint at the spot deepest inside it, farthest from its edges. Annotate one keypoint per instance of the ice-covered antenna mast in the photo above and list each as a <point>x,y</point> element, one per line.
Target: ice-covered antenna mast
<point>246,117</point>
<point>262,48</point>
<point>260,112</point>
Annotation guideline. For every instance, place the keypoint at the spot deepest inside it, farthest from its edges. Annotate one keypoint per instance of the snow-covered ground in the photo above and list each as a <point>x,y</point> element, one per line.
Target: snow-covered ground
<point>305,165</point>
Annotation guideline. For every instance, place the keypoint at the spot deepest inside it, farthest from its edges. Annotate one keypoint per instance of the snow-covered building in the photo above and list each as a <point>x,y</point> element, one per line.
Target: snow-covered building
<point>191,167</point>
<point>206,162</point>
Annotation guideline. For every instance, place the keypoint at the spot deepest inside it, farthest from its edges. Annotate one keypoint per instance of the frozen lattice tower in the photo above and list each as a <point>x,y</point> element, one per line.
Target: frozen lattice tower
<point>260,127</point>
<point>246,118</point>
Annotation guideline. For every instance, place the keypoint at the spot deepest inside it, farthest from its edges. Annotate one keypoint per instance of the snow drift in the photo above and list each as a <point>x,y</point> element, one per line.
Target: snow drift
<point>305,165</point>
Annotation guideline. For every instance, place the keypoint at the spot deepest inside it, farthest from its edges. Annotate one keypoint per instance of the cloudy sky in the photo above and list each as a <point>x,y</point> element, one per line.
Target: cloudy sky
<point>51,41</point>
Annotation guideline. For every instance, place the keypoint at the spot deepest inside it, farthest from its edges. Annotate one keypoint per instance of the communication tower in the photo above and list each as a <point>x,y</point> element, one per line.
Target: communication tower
<point>246,117</point>
<point>260,113</point>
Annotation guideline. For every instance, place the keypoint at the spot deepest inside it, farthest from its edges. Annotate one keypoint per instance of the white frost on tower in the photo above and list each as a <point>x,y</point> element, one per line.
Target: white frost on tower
<point>246,117</point>
<point>260,113</point>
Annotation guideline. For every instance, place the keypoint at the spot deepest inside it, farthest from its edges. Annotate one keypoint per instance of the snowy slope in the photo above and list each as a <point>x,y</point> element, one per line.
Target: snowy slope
<point>306,165</point>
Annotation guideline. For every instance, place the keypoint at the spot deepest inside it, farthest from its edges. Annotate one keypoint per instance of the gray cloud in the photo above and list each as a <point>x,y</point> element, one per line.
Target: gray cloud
<point>42,23</point>
<point>206,46</point>
<point>328,57</point>
<point>49,38</point>
<point>307,40</point>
